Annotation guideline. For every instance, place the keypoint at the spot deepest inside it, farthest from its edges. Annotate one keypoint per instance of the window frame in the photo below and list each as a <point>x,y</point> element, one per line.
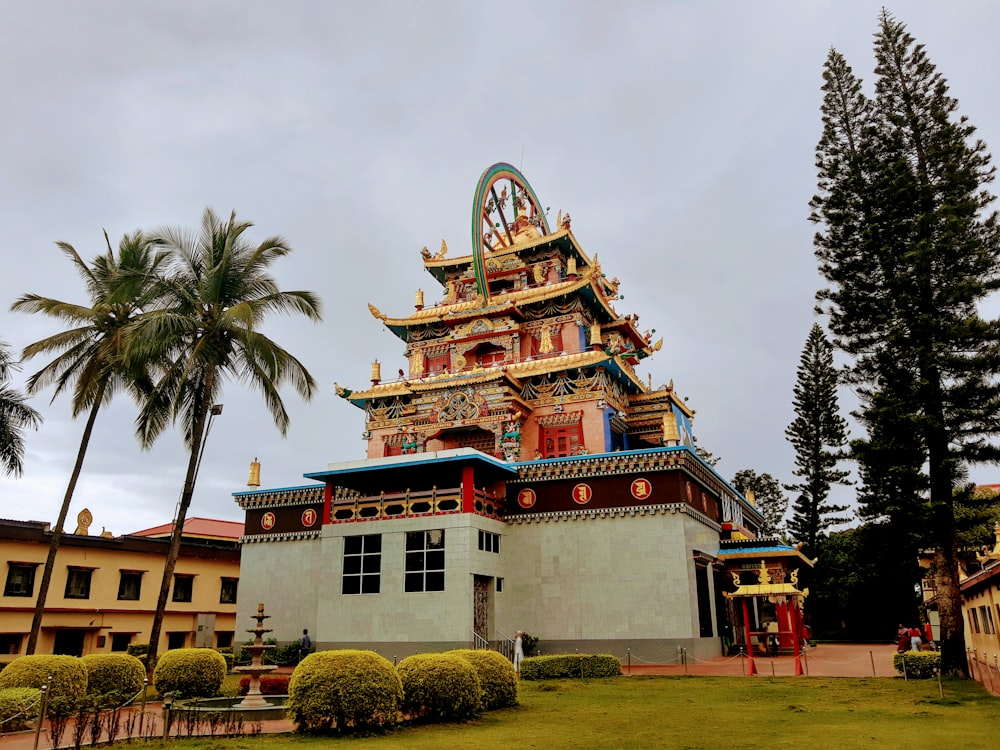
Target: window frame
<point>30,569</point>
<point>361,565</point>
<point>78,582</point>
<point>133,575</point>
<point>425,562</point>
<point>175,594</point>
<point>234,584</point>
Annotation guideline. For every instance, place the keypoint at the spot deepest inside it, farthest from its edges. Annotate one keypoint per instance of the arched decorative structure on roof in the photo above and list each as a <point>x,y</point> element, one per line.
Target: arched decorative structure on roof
<point>499,218</point>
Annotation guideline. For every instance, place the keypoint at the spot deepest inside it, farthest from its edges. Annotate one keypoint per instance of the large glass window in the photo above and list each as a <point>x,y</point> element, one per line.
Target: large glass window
<point>424,560</point>
<point>183,588</point>
<point>78,583</point>
<point>130,585</point>
<point>20,580</point>
<point>362,564</point>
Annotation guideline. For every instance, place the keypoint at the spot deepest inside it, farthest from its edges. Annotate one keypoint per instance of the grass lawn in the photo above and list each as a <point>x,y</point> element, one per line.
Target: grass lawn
<point>710,713</point>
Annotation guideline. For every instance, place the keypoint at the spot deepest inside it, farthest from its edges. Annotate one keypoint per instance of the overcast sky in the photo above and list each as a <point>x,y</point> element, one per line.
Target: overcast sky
<point>679,135</point>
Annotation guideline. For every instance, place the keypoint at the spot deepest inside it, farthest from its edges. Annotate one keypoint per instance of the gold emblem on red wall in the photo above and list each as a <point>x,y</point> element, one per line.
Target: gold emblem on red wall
<point>582,494</point>
<point>641,488</point>
<point>526,498</point>
<point>308,517</point>
<point>267,520</point>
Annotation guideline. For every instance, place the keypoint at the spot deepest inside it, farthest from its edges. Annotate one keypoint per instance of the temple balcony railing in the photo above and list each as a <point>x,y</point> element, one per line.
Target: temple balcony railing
<point>411,504</point>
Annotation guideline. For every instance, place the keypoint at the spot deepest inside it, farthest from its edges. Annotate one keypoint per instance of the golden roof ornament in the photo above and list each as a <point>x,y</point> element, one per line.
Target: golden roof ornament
<point>83,520</point>
<point>443,251</point>
<point>254,480</point>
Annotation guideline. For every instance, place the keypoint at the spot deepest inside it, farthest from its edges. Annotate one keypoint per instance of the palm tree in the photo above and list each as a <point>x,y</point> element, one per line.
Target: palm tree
<point>15,416</point>
<point>90,353</point>
<point>218,292</point>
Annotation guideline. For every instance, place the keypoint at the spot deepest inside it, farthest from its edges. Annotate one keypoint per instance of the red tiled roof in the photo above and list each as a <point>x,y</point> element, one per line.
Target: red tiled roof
<point>207,528</point>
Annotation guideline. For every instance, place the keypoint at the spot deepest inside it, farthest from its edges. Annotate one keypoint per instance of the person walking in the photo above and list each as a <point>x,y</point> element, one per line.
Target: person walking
<point>518,651</point>
<point>305,644</point>
<point>915,642</point>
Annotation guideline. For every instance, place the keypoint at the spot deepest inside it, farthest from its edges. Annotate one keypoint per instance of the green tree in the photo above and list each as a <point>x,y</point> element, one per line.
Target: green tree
<point>768,495</point>
<point>218,292</point>
<point>819,435</point>
<point>15,416</point>
<point>910,251</point>
<point>89,355</point>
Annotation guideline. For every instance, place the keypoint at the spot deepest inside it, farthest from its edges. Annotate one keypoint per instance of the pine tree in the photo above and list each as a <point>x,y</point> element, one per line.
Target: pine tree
<point>819,435</point>
<point>767,495</point>
<point>909,251</point>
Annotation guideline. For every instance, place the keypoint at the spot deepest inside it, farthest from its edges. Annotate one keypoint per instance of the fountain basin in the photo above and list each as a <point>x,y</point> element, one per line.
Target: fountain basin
<point>275,708</point>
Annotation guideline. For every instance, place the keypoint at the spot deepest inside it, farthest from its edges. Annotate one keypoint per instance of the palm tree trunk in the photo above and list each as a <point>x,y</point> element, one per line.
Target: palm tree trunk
<point>197,438</point>
<point>56,539</point>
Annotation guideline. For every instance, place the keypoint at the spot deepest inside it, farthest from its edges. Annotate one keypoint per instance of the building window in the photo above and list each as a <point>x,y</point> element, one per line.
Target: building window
<point>227,593</point>
<point>10,643</point>
<point>489,542</point>
<point>488,355</point>
<point>130,585</point>
<point>78,583</point>
<point>20,580</point>
<point>499,585</point>
<point>121,641</point>
<point>435,364</point>
<point>224,638</point>
<point>424,560</point>
<point>362,564</point>
<point>560,440</point>
<point>176,640</point>
<point>183,588</point>
<point>975,620</point>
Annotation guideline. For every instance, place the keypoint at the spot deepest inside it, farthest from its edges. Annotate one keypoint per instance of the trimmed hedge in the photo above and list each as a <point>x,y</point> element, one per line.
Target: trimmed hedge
<point>18,707</point>
<point>190,672</point>
<point>345,689</point>
<point>440,687</point>
<point>137,649</point>
<point>920,665</point>
<point>496,675</point>
<point>559,666</point>
<point>269,684</point>
<point>69,677</point>
<point>113,678</point>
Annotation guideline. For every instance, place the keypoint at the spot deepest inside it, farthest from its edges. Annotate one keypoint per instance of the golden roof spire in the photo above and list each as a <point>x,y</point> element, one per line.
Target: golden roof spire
<point>254,480</point>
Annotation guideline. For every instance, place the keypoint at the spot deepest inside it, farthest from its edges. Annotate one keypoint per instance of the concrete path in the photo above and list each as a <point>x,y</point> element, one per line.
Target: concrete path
<point>825,660</point>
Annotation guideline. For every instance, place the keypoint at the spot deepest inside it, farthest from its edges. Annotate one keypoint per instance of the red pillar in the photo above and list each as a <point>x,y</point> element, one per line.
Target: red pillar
<point>751,667</point>
<point>468,489</point>
<point>327,502</point>
<point>797,628</point>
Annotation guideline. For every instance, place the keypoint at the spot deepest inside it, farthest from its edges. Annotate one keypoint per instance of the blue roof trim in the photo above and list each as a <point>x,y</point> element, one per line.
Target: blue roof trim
<point>380,466</point>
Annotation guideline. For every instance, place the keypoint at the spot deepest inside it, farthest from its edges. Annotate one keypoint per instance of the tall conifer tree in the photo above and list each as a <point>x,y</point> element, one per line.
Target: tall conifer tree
<point>819,435</point>
<point>909,250</point>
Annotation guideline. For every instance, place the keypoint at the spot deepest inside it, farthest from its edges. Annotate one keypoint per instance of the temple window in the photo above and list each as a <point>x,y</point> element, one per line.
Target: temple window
<point>489,542</point>
<point>20,579</point>
<point>561,440</point>
<point>362,564</point>
<point>183,587</point>
<point>424,561</point>
<point>436,364</point>
<point>78,583</point>
<point>130,585</point>
<point>488,355</point>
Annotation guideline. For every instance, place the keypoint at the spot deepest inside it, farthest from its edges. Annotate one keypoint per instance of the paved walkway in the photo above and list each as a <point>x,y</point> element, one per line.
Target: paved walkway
<point>826,660</point>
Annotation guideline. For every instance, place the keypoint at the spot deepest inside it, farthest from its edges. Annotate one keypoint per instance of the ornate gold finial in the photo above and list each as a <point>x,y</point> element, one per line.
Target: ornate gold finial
<point>375,311</point>
<point>764,577</point>
<point>443,251</point>
<point>571,266</point>
<point>656,347</point>
<point>425,253</point>
<point>376,372</point>
<point>594,337</point>
<point>418,301</point>
<point>254,480</point>
<point>83,521</point>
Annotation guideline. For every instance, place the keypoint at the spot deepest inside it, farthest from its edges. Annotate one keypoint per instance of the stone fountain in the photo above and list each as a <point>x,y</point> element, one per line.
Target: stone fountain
<point>256,667</point>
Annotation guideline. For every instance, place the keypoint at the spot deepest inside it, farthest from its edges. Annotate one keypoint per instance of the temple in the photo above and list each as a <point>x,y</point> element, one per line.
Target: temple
<point>520,474</point>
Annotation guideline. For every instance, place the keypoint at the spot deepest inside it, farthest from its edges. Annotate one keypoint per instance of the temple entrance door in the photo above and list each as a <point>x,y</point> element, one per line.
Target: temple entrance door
<point>481,601</point>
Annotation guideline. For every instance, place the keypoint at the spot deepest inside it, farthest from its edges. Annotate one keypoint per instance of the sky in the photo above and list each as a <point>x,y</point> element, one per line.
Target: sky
<point>680,136</point>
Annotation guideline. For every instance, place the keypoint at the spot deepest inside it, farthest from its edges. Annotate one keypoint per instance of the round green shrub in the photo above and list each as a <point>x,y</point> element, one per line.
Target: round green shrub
<point>496,676</point>
<point>190,672</point>
<point>69,676</point>
<point>18,706</point>
<point>112,679</point>
<point>344,689</point>
<point>442,687</point>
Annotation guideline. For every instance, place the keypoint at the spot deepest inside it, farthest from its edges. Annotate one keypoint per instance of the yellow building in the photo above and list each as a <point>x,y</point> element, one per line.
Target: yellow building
<point>104,589</point>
